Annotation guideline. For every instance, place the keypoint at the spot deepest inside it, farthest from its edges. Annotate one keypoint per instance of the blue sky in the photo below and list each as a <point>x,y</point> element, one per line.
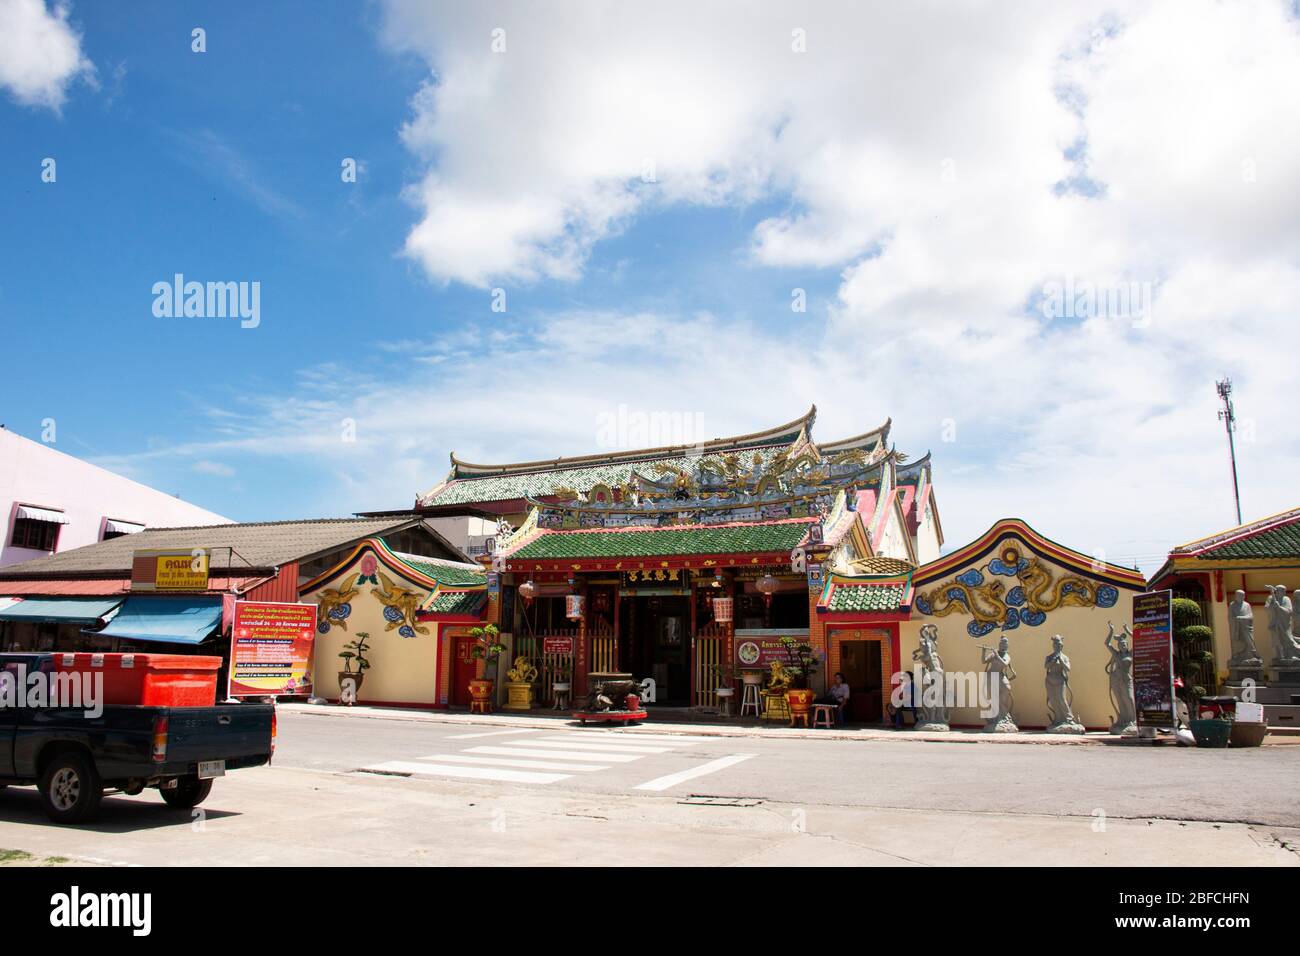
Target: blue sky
<point>913,200</point>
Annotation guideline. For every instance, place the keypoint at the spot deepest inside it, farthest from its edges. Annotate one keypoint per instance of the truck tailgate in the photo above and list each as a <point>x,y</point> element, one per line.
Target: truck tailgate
<point>218,733</point>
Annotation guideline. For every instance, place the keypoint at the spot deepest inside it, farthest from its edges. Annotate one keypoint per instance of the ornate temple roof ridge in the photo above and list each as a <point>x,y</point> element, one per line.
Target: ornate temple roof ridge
<point>778,435</point>
<point>878,434</point>
<point>1246,530</point>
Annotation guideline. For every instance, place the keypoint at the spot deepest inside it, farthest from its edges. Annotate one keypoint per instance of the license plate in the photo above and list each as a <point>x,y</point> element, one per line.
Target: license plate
<point>212,768</point>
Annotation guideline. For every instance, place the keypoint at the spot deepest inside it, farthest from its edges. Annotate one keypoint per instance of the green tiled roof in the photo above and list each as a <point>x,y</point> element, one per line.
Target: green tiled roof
<point>866,597</point>
<point>457,602</point>
<point>1280,542</point>
<point>539,484</point>
<point>447,575</point>
<point>665,542</point>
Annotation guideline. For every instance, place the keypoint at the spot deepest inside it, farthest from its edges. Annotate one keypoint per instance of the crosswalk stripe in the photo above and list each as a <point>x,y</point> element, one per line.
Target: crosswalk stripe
<point>473,773</point>
<point>584,755</point>
<point>510,762</point>
<point>713,766</point>
<point>635,735</point>
<point>492,733</point>
<point>602,747</point>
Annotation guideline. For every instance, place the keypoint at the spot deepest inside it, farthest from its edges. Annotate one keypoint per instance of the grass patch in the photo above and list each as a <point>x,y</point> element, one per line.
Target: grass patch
<point>14,856</point>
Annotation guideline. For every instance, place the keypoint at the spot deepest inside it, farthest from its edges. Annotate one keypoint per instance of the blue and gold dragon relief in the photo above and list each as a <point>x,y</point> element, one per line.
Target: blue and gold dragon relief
<point>993,603</point>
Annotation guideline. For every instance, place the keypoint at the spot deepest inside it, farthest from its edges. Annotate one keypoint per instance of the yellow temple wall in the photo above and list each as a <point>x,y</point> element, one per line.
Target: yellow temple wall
<point>1084,631</point>
<point>403,670</point>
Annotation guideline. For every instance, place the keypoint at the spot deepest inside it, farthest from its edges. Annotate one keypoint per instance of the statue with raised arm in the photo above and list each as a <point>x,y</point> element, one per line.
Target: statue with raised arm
<point>932,712</point>
<point>1285,643</point>
<point>1241,629</point>
<point>1060,699</point>
<point>1000,674</point>
<point>1120,671</point>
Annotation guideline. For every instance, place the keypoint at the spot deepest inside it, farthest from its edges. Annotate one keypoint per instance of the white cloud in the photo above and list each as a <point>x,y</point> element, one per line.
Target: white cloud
<point>922,150</point>
<point>40,53</point>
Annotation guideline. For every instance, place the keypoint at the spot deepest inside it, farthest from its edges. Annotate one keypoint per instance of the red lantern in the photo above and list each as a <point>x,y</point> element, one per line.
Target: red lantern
<point>767,585</point>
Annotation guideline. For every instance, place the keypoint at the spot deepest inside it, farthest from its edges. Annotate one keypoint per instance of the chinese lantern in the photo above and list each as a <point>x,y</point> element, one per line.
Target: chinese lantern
<point>528,591</point>
<point>767,586</point>
<point>723,609</point>
<point>573,607</point>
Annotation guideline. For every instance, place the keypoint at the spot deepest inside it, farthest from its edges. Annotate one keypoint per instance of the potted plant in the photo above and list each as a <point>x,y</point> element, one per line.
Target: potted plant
<point>801,664</point>
<point>488,650</point>
<point>353,656</point>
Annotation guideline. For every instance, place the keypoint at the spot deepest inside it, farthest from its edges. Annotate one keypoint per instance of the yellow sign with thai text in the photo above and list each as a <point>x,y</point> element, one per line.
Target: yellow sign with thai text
<point>170,570</point>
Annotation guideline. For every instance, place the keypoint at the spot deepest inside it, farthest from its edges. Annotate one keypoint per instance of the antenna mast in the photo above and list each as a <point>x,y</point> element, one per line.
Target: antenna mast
<point>1229,419</point>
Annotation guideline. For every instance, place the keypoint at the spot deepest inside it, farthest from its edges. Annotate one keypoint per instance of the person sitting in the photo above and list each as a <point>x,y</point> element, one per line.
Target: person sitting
<point>839,696</point>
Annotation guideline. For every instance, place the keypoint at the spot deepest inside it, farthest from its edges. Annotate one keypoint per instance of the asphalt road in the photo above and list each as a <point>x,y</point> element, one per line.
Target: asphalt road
<point>347,790</point>
<point>1123,781</point>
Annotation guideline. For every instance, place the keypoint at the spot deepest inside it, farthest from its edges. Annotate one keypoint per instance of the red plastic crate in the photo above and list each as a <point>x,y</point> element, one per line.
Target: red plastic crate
<point>152,680</point>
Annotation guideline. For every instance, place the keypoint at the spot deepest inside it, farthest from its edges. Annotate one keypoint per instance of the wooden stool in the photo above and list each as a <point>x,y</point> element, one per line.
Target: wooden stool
<point>823,715</point>
<point>751,699</point>
<point>481,705</point>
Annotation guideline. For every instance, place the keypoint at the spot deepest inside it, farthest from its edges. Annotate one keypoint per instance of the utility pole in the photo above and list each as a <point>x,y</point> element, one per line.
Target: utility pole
<point>1229,419</point>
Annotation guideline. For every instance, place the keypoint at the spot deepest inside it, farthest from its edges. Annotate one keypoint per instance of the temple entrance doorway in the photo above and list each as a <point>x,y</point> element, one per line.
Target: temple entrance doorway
<point>655,642</point>
<point>860,663</point>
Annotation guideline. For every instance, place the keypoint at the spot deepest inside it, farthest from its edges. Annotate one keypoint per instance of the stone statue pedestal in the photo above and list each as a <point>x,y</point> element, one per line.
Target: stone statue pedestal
<point>1248,670</point>
<point>931,727</point>
<point>1005,725</point>
<point>1286,672</point>
<point>1125,730</point>
<point>1066,727</point>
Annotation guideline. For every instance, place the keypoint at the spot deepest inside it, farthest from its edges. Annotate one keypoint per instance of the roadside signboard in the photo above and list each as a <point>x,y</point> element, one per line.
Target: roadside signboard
<point>1153,660</point>
<point>176,570</point>
<point>271,649</point>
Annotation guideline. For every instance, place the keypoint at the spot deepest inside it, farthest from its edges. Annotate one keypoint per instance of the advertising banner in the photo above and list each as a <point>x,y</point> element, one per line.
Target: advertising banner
<point>270,649</point>
<point>1153,660</point>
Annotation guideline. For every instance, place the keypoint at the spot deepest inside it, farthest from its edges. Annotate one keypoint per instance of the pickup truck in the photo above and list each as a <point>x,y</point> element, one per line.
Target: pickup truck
<point>73,757</point>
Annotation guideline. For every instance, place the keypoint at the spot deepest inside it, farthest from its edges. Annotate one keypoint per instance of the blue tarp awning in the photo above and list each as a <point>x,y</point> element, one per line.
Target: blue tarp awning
<point>61,610</point>
<point>170,620</point>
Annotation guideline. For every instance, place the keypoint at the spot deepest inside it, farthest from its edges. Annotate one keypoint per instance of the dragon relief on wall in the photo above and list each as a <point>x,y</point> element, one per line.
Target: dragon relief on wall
<point>993,603</point>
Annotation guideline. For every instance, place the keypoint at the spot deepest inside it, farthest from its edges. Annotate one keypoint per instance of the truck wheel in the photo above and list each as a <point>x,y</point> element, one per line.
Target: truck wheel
<point>189,792</point>
<point>71,788</point>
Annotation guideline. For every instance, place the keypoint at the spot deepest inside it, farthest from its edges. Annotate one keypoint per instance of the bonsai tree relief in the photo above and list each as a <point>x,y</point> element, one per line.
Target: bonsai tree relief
<point>355,651</point>
<point>487,649</point>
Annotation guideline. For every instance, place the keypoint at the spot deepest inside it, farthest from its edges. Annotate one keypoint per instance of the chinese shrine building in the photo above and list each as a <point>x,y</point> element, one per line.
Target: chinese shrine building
<point>621,556</point>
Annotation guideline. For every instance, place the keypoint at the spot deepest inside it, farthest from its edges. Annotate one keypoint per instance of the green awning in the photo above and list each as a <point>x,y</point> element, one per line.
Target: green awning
<point>60,610</point>
<point>169,620</point>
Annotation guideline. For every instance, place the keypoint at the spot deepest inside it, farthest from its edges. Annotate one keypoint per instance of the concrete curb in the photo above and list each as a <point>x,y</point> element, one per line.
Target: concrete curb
<point>706,729</point>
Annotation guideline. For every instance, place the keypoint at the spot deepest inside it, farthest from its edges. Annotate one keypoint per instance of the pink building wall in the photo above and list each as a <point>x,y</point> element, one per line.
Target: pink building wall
<point>32,473</point>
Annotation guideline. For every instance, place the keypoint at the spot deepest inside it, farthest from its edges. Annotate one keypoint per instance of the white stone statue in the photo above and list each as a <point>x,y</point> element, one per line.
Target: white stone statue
<point>932,712</point>
<point>1286,644</point>
<point>998,664</point>
<point>1060,699</point>
<point>1241,627</point>
<point>1120,671</point>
